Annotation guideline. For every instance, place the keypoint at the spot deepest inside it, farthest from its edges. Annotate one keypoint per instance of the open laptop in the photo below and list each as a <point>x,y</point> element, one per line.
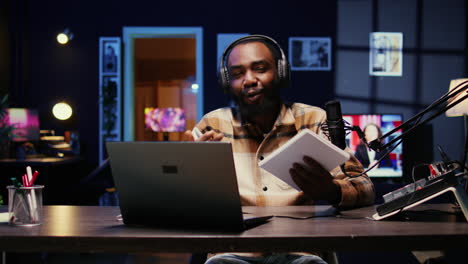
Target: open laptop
<point>178,184</point>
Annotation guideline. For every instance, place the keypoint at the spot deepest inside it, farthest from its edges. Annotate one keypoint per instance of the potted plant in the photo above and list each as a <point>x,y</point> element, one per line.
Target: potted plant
<point>6,130</point>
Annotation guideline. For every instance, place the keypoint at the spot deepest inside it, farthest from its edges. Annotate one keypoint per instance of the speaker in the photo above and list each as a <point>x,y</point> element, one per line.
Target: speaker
<point>284,70</point>
<point>418,149</point>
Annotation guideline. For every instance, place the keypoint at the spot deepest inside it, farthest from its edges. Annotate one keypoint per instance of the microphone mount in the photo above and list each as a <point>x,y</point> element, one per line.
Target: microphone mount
<point>440,106</point>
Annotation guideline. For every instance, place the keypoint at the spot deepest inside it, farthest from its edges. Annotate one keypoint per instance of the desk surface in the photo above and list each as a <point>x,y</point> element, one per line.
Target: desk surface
<point>46,161</point>
<point>96,229</point>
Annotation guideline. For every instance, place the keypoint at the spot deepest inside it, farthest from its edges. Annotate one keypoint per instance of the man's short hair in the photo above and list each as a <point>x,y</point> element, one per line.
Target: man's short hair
<point>273,49</point>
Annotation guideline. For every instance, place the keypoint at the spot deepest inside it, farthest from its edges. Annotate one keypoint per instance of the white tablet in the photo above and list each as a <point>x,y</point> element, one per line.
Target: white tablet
<point>304,143</point>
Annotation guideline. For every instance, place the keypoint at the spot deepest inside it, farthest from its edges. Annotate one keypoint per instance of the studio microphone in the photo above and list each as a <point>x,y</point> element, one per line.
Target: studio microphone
<point>335,124</point>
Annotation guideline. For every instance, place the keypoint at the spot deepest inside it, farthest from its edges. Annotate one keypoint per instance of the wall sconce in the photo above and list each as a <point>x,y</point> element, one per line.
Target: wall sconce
<point>65,36</point>
<point>62,111</point>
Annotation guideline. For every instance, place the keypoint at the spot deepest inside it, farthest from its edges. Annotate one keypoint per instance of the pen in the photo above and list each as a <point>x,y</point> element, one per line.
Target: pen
<point>33,178</point>
<point>29,173</point>
<point>24,179</point>
<point>32,196</point>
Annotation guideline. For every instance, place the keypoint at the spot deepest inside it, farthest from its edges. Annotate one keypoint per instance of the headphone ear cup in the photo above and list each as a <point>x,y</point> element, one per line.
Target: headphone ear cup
<point>223,79</point>
<point>280,70</point>
<point>284,72</point>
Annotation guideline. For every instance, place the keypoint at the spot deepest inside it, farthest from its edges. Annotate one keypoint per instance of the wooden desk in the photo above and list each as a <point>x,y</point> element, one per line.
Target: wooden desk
<point>40,162</point>
<point>95,229</point>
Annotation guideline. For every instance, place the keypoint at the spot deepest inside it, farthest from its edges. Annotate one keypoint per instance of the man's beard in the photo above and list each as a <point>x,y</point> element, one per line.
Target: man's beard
<point>269,104</point>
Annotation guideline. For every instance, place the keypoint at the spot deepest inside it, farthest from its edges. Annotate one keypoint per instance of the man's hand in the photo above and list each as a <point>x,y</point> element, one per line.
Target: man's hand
<point>315,181</point>
<point>207,136</point>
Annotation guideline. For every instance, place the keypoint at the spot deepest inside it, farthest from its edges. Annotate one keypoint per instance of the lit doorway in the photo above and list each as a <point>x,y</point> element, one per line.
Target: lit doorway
<point>163,68</point>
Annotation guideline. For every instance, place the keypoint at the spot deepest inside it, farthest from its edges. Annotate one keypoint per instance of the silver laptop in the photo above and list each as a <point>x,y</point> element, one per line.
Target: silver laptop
<point>179,184</point>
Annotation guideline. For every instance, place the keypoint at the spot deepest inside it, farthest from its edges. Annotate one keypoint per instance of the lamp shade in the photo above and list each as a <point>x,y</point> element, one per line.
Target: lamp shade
<point>461,108</point>
<point>62,111</point>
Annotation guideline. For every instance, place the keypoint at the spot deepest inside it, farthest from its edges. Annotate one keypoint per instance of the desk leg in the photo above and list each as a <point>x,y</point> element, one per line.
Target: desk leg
<point>462,198</point>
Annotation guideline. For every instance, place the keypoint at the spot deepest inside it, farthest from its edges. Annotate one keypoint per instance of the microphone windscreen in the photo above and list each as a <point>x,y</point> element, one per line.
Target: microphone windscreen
<point>333,110</point>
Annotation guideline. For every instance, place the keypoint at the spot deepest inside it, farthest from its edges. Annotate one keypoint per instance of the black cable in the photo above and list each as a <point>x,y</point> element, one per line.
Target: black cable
<point>466,150</point>
<point>331,211</point>
<point>300,218</point>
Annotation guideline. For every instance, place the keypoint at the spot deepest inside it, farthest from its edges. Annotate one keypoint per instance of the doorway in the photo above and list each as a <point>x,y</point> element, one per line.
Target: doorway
<point>163,71</point>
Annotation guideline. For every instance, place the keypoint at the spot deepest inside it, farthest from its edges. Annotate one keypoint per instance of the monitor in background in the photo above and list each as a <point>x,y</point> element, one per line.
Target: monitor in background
<point>373,126</point>
<point>165,119</point>
<point>26,122</point>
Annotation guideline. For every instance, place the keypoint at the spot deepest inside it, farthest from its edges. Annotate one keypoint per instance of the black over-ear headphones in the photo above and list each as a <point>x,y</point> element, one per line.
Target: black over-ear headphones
<point>284,70</point>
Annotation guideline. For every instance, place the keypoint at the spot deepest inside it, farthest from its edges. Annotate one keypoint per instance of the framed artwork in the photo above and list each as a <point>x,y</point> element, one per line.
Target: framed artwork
<point>109,93</point>
<point>224,39</point>
<point>110,50</point>
<point>310,53</point>
<point>385,56</point>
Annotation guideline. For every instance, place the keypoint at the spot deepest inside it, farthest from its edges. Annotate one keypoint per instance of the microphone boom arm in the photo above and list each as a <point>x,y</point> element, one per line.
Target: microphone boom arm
<point>377,145</point>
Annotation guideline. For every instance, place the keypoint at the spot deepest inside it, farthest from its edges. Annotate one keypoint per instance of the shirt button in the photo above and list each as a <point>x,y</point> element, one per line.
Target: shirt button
<point>265,188</point>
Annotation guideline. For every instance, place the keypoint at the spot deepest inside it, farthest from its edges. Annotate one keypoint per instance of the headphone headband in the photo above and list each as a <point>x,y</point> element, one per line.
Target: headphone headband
<point>282,66</point>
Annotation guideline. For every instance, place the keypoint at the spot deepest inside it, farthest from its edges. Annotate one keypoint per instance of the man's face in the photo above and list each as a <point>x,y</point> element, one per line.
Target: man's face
<point>253,78</point>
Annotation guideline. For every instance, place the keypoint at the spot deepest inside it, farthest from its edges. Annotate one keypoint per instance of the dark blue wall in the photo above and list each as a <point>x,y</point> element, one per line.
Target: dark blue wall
<point>52,72</point>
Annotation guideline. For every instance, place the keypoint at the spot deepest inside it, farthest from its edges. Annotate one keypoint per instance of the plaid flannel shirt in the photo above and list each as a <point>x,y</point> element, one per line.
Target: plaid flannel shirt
<point>258,187</point>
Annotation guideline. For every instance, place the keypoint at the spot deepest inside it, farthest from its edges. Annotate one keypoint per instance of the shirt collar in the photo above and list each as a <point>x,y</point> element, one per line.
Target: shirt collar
<point>285,117</point>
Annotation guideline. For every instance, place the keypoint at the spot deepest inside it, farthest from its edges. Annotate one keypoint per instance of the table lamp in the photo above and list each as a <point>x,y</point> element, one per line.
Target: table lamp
<point>63,112</point>
<point>165,120</point>
<point>460,109</point>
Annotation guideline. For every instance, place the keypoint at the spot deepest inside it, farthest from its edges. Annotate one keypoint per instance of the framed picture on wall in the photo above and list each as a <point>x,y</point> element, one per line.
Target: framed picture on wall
<point>109,92</point>
<point>224,39</point>
<point>111,51</point>
<point>109,105</point>
<point>385,56</point>
<point>310,53</point>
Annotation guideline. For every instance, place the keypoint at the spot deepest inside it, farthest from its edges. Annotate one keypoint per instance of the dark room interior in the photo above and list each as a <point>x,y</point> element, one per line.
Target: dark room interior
<point>166,54</point>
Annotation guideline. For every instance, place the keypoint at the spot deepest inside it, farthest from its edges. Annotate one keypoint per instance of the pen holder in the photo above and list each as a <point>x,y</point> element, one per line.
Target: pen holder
<point>25,205</point>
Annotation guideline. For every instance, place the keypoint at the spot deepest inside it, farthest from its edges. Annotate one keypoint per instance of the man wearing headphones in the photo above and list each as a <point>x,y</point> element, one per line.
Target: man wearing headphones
<point>253,69</point>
